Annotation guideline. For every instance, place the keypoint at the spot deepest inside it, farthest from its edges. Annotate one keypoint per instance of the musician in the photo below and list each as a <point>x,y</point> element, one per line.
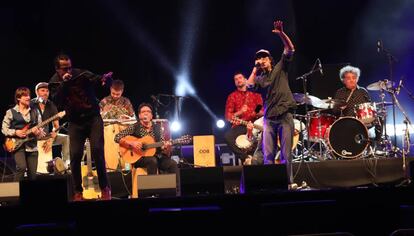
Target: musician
<point>74,91</point>
<point>351,93</point>
<point>115,106</point>
<point>279,101</point>
<point>14,123</point>
<point>47,109</point>
<point>145,127</point>
<point>354,95</point>
<point>245,105</point>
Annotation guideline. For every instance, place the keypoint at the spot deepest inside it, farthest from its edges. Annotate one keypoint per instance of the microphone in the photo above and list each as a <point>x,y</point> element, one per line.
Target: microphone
<point>379,46</point>
<point>397,91</point>
<point>320,66</point>
<point>257,65</point>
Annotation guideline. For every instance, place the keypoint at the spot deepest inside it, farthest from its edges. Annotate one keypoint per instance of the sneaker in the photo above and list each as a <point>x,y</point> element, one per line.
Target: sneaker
<point>106,194</point>
<point>78,197</point>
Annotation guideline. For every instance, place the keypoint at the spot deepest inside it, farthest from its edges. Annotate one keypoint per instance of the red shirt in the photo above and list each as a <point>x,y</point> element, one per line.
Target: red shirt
<point>237,99</point>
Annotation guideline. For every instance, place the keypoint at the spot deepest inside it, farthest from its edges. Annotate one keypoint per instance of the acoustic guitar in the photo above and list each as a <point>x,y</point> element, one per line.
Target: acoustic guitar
<point>149,147</point>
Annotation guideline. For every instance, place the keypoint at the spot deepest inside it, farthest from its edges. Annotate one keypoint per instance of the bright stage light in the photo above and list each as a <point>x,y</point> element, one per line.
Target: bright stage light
<point>175,126</point>
<point>220,124</point>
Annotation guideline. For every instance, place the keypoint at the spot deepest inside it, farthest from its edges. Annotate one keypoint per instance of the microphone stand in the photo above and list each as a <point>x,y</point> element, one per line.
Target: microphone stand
<point>304,79</point>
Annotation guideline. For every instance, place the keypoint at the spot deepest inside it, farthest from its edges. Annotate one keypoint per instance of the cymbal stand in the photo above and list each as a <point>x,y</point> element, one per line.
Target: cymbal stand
<point>304,79</point>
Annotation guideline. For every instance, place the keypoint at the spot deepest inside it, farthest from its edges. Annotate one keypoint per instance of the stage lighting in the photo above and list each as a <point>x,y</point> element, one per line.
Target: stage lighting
<point>220,124</point>
<point>175,126</point>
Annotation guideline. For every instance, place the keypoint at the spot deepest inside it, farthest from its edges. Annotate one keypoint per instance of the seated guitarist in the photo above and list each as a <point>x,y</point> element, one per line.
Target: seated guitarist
<point>145,127</point>
<point>15,124</point>
<point>241,104</point>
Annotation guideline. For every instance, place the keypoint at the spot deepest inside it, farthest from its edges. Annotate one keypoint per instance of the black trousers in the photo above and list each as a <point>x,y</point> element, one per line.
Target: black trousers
<point>230,138</point>
<point>92,129</point>
<point>152,164</point>
<point>25,161</point>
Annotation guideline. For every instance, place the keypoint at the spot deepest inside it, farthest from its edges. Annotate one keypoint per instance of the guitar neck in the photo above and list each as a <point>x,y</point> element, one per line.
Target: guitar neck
<point>159,144</point>
<point>43,123</point>
<point>245,123</point>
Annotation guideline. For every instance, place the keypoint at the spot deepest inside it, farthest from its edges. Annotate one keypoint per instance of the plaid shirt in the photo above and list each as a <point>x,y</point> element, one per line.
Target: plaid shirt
<point>114,109</point>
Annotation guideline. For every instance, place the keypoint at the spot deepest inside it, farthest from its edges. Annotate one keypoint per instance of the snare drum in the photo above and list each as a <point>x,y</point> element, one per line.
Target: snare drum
<point>347,137</point>
<point>366,112</point>
<point>318,124</point>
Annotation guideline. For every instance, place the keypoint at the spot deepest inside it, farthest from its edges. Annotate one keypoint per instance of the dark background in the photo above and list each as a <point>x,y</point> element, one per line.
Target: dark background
<point>148,44</point>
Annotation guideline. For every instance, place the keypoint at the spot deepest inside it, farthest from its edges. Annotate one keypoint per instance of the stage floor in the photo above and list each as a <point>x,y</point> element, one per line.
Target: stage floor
<point>363,197</point>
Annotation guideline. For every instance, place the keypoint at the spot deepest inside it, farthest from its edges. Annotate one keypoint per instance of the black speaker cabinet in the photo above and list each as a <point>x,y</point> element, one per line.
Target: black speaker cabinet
<point>201,181</point>
<point>50,190</point>
<point>263,178</point>
<point>164,185</point>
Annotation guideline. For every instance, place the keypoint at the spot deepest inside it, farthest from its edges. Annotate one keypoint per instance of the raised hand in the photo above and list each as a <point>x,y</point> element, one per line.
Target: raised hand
<point>106,77</point>
<point>278,27</point>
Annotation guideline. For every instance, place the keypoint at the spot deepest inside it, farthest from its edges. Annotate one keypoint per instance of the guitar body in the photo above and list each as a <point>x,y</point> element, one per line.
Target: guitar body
<point>131,156</point>
<point>90,183</point>
<point>11,144</point>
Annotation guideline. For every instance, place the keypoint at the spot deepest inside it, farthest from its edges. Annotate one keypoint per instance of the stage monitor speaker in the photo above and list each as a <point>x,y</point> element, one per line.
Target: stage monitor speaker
<point>50,190</point>
<point>201,181</point>
<point>164,185</point>
<point>263,178</point>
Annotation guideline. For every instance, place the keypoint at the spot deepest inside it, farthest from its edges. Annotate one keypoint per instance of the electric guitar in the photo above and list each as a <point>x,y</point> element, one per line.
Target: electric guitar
<point>90,181</point>
<point>258,124</point>
<point>13,143</point>
<point>149,147</point>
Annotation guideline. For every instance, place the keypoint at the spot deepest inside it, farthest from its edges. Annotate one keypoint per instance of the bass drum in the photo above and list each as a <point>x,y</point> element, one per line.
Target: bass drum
<point>347,138</point>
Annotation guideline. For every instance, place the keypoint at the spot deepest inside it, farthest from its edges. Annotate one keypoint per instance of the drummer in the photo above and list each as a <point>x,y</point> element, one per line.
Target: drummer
<point>351,94</point>
<point>115,106</point>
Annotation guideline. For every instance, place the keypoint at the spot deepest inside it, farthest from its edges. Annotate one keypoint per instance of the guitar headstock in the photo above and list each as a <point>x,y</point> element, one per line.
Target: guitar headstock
<point>61,114</point>
<point>185,139</point>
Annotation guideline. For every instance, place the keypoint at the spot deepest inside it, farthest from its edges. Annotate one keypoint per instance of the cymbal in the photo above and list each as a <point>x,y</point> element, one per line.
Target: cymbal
<point>383,103</point>
<point>309,99</point>
<point>380,85</point>
<point>334,102</point>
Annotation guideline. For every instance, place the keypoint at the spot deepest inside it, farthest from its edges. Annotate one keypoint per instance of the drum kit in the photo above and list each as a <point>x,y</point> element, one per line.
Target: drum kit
<point>329,137</point>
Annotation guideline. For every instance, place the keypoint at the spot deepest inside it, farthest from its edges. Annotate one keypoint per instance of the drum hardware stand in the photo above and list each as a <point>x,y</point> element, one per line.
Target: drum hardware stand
<point>304,79</point>
<point>406,141</point>
<point>391,59</point>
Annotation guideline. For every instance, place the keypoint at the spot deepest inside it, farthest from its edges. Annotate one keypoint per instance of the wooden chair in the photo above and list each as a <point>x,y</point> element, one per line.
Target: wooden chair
<point>134,173</point>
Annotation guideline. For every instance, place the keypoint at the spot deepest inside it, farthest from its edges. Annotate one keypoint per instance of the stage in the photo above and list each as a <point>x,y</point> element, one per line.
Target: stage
<point>363,197</point>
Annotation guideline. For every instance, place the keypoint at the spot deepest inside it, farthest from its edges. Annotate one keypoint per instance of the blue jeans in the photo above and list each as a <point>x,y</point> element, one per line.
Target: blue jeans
<point>282,127</point>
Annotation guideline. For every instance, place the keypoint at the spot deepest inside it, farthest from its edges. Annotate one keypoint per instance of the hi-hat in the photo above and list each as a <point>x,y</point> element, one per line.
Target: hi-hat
<point>383,103</point>
<point>380,85</point>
